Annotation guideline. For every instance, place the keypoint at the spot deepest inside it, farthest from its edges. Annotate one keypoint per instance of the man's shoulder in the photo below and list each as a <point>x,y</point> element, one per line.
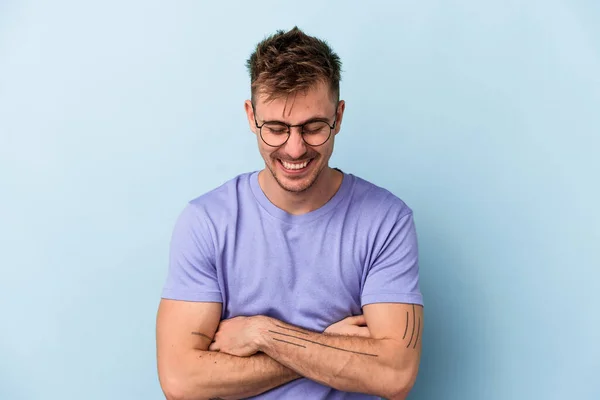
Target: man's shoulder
<point>224,197</point>
<point>373,199</point>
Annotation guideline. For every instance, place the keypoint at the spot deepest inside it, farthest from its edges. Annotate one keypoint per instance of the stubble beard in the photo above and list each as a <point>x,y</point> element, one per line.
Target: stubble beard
<point>309,181</point>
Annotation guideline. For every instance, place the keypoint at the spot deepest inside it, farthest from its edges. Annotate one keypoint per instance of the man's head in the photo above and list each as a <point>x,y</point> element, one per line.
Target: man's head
<point>294,80</point>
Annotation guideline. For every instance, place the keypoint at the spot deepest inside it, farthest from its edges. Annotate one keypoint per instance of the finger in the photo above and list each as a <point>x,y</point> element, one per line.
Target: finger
<point>357,320</point>
<point>213,347</point>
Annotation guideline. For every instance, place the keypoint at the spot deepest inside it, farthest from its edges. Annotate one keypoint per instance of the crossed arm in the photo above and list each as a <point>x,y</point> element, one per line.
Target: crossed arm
<point>247,356</point>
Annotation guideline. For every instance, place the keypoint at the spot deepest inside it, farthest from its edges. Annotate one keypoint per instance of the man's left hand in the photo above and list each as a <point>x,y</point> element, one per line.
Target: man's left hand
<point>238,336</point>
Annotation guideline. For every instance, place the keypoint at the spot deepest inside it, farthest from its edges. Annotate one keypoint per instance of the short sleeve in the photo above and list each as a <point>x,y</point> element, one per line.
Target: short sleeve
<point>393,276</point>
<point>192,274</point>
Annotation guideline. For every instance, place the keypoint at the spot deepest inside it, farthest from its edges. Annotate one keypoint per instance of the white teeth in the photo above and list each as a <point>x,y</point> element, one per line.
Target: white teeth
<point>288,165</point>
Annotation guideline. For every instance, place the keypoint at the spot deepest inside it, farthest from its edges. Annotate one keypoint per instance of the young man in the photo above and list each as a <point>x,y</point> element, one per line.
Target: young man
<point>299,281</point>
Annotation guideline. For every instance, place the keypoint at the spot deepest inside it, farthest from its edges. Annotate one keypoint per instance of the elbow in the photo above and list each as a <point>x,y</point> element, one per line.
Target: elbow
<point>175,388</point>
<point>179,382</point>
<point>400,383</point>
<point>173,395</point>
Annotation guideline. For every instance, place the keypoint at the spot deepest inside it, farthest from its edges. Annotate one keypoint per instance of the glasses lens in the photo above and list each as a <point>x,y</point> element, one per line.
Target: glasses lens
<point>274,134</point>
<point>316,133</point>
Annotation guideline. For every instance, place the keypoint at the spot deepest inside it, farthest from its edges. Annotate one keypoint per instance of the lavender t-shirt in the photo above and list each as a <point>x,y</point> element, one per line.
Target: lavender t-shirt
<point>232,245</point>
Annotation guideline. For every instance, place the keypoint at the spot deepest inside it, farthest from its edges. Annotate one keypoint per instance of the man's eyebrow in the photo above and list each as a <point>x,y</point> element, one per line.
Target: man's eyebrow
<point>312,119</point>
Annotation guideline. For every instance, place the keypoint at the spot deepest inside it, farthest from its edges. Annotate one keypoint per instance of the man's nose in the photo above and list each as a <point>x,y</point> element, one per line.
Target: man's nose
<point>295,146</point>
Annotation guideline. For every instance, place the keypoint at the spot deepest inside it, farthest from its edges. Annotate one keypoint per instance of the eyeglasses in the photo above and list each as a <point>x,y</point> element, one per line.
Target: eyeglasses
<point>314,132</point>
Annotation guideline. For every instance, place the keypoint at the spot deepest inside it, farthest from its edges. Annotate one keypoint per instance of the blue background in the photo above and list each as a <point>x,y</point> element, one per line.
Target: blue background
<point>483,116</point>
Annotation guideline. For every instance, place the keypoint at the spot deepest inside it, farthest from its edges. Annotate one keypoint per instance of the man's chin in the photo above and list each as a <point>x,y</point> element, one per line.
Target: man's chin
<point>294,185</point>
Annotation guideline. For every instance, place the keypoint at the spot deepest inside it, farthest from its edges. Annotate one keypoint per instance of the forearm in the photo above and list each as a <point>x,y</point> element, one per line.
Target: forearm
<point>347,363</point>
<point>213,375</point>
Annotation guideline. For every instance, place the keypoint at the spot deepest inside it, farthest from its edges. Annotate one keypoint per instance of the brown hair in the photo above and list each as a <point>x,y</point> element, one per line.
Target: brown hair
<point>288,62</point>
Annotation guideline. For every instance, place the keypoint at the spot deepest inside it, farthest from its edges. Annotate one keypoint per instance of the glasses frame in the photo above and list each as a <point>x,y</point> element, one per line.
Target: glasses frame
<point>301,126</point>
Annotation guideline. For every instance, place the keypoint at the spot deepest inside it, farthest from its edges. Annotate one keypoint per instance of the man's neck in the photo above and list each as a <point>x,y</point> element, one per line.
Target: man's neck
<point>325,187</point>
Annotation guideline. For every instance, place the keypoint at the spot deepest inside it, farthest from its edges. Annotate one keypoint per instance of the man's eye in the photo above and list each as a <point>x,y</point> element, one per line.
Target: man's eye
<point>275,128</point>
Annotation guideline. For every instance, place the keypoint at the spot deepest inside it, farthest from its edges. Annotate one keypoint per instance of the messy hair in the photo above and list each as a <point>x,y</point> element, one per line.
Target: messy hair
<point>289,62</point>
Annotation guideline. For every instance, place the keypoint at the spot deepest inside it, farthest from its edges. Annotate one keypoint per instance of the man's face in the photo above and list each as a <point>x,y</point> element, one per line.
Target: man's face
<point>296,166</point>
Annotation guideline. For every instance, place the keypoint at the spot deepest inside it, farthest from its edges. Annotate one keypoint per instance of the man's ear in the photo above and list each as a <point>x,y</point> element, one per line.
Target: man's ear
<point>339,115</point>
<point>250,115</point>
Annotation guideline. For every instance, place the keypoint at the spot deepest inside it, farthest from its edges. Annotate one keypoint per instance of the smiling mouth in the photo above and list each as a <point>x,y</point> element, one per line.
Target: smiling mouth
<point>295,166</point>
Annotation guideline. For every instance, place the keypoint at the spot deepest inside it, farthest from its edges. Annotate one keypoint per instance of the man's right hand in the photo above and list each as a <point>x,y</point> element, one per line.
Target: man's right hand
<point>350,326</point>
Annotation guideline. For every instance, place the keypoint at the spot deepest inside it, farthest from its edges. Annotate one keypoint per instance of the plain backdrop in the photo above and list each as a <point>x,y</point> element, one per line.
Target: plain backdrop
<point>484,116</point>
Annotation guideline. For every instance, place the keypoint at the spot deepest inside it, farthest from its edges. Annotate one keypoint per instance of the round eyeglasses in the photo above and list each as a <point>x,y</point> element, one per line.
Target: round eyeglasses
<point>314,132</point>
